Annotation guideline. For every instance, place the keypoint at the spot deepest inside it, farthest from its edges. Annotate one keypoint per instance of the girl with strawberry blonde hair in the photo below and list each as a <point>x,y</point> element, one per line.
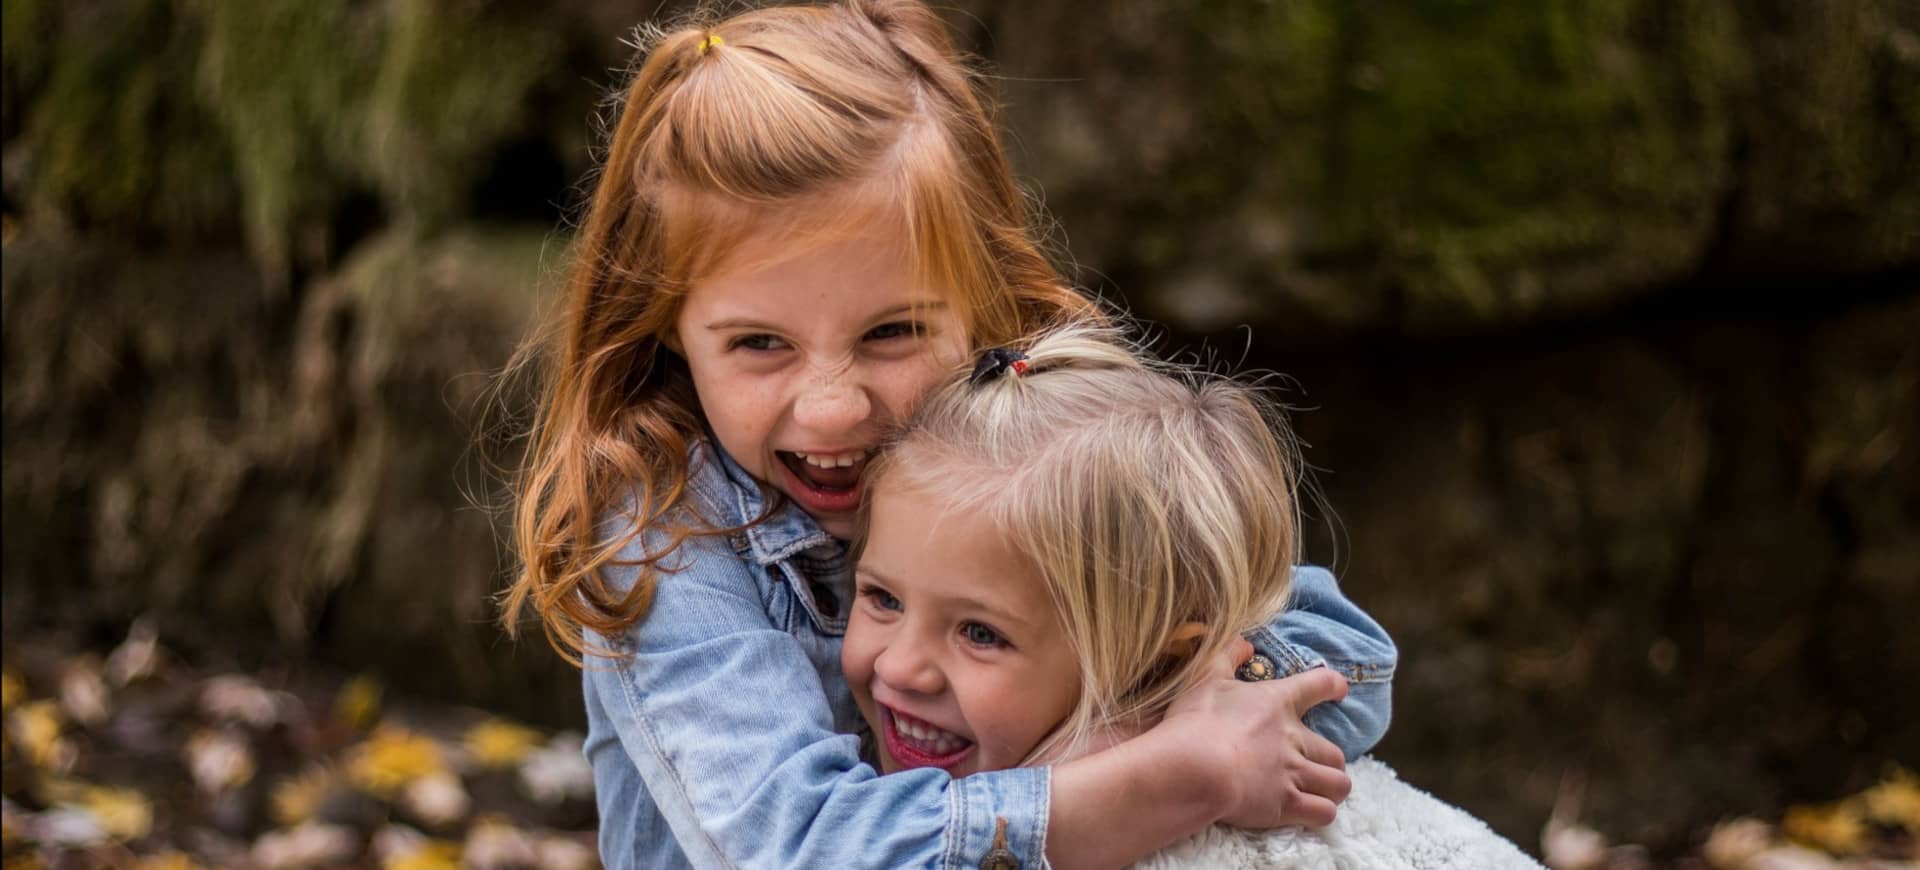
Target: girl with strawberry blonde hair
<point>804,220</point>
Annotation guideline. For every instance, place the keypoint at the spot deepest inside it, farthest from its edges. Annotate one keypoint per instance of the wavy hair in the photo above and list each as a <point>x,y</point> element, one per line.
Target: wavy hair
<point>1148,496</point>
<point>791,121</point>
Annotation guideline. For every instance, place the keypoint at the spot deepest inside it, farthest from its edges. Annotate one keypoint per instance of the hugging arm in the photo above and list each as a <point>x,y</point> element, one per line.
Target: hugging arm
<point>723,721</point>
<point>720,717</point>
<point>1321,627</point>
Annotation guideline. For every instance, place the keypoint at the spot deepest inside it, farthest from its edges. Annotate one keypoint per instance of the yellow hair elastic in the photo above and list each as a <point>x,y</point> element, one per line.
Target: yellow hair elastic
<point>708,43</point>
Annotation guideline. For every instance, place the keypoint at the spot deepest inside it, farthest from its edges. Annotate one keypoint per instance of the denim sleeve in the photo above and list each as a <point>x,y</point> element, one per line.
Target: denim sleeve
<point>1321,627</point>
<point>726,722</point>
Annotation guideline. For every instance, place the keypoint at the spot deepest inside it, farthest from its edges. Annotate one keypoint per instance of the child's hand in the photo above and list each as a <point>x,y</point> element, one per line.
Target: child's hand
<point>1272,770</point>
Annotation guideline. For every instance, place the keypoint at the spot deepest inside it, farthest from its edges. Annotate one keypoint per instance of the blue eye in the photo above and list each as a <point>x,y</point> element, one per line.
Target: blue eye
<point>981,634</point>
<point>879,598</point>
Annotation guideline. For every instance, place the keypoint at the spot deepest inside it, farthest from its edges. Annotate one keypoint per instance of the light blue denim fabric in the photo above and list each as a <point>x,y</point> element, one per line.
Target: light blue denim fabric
<point>728,739</point>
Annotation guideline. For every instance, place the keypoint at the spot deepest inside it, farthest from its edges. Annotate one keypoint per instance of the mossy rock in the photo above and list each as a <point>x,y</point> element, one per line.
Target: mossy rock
<point>1436,166</point>
<point>184,120</point>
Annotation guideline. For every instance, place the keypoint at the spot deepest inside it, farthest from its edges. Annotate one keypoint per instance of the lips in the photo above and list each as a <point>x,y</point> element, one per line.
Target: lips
<point>915,742</point>
<point>824,483</point>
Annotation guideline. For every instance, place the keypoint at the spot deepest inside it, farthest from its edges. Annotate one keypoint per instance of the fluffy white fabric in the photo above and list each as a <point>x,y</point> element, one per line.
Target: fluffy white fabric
<point>1385,823</point>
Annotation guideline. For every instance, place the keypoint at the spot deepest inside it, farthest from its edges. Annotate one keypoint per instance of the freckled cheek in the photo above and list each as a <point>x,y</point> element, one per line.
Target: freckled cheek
<point>908,382</point>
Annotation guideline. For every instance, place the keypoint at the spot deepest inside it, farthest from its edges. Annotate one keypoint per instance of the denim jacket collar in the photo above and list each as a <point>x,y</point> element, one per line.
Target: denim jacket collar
<point>785,534</point>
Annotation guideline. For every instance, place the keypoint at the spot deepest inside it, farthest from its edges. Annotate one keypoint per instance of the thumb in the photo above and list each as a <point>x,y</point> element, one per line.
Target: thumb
<point>1222,664</point>
<point>1315,687</point>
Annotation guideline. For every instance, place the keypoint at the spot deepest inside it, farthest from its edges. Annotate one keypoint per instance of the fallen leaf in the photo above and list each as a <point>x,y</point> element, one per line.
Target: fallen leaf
<point>13,690</point>
<point>432,855</point>
<point>297,798</point>
<point>71,827</point>
<point>167,861</point>
<point>234,698</point>
<point>310,845</point>
<point>219,761</point>
<point>1790,858</point>
<point>565,853</point>
<point>499,743</point>
<point>495,844</point>
<point>1572,846</point>
<point>124,813</point>
<point>1732,843</point>
<point>390,759</point>
<point>1895,801</point>
<point>1837,828</point>
<point>138,656</point>
<point>83,694</point>
<point>437,798</point>
<point>557,771</point>
<point>37,730</point>
<point>357,706</point>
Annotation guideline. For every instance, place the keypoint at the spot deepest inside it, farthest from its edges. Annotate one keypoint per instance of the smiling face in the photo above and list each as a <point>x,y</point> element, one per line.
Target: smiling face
<point>954,651</point>
<point>804,352</point>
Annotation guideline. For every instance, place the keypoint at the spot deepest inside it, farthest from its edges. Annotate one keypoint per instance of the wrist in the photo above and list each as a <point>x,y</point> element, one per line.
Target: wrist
<point>1199,771</point>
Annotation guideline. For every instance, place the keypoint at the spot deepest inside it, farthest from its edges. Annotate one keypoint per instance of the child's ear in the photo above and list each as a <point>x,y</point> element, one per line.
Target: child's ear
<point>671,341</point>
<point>1185,639</point>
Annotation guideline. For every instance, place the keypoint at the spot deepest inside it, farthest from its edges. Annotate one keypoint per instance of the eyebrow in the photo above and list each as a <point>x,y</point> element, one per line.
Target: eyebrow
<point>1001,616</point>
<point>895,311</point>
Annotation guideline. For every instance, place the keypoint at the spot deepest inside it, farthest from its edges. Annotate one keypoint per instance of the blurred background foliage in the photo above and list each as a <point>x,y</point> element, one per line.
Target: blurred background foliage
<point>1602,316</point>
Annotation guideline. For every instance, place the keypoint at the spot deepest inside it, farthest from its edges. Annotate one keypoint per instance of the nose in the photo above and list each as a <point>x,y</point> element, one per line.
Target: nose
<point>832,401</point>
<point>905,667</point>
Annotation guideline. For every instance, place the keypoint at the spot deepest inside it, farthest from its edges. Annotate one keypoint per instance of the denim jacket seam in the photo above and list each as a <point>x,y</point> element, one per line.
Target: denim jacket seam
<point>1043,800</point>
<point>645,725</point>
<point>790,549</point>
<point>1355,672</point>
<point>1294,661</point>
<point>795,580</point>
<point>956,817</point>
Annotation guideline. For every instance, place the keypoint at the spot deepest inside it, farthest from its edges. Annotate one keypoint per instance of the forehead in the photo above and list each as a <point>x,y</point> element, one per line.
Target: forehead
<point>710,240</point>
<point>949,555</point>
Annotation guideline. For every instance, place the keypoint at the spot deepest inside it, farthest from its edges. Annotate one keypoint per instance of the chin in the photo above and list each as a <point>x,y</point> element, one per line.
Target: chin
<point>840,527</point>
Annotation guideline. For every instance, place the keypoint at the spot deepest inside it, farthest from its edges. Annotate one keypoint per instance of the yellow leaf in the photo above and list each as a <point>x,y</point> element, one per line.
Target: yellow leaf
<point>390,759</point>
<point>297,798</point>
<point>1895,801</point>
<point>432,855</point>
<point>1833,827</point>
<point>499,743</point>
<point>13,690</point>
<point>36,727</point>
<point>167,861</point>
<point>124,813</point>
<point>358,704</point>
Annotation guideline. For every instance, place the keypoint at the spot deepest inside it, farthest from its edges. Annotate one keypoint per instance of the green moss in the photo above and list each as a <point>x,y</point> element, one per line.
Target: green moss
<point>115,135</point>
<point>453,82</point>
<point>177,116</point>
<point>1466,150</point>
<point>288,82</point>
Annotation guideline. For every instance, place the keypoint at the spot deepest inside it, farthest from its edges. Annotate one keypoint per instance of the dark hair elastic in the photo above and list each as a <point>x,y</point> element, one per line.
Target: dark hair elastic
<point>995,362</point>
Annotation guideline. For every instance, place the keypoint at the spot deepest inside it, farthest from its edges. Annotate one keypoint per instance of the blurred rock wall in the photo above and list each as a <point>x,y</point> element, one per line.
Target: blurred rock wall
<point>1606,307</point>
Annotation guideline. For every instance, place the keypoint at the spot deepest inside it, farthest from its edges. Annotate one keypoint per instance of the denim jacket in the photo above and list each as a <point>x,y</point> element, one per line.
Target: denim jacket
<point>729,737</point>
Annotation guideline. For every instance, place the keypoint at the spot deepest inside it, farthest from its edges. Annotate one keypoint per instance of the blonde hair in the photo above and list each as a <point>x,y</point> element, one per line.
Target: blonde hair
<point>1146,495</point>
<point>790,121</point>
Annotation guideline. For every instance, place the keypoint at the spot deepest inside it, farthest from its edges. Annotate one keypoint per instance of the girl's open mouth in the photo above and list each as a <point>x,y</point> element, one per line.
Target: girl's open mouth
<point>916,743</point>
<point>825,483</point>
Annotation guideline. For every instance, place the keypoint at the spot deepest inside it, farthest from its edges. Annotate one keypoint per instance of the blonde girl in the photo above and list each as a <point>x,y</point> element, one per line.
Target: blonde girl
<point>1071,535</point>
<point>1060,548</point>
<point>803,220</point>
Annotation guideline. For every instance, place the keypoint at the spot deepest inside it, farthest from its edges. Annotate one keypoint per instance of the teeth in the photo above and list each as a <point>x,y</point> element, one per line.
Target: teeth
<point>934,741</point>
<point>844,460</point>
